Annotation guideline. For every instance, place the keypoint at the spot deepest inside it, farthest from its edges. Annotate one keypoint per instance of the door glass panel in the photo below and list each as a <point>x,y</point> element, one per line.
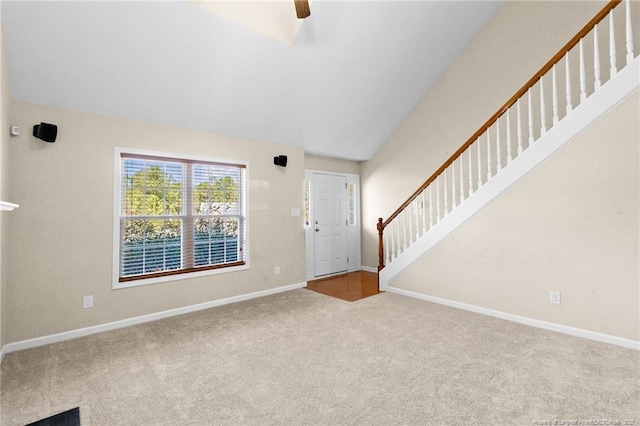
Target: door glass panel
<point>307,204</point>
<point>351,204</point>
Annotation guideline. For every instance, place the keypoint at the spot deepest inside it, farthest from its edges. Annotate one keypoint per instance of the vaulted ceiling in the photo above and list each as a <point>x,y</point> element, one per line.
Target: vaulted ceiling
<point>351,73</point>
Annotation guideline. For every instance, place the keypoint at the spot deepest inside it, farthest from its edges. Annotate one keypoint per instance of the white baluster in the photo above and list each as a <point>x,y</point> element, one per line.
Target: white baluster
<point>404,229</point>
<point>583,77</point>
<point>519,124</point>
<point>470,172</point>
<point>392,238</point>
<point>418,218</point>
<point>398,246</point>
<point>398,227</point>
<point>461,181</point>
<point>391,255</point>
<point>424,213</point>
<point>387,249</point>
<point>407,219</point>
<point>419,206</point>
<point>387,244</point>
<point>438,199</point>
<point>543,114</point>
<point>530,106</point>
<point>409,214</point>
<point>596,60</point>
<point>399,234</point>
<point>567,77</point>
<point>629,32</point>
<point>479,164</point>
<point>488,155</point>
<point>554,88</point>
<point>453,186</point>
<point>446,193</point>
<point>509,157</point>
<point>498,148</point>
<point>612,46</point>
<point>430,205</point>
<point>394,246</point>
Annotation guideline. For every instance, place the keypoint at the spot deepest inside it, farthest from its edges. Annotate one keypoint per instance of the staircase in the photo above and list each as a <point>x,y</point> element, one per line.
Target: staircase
<point>583,81</point>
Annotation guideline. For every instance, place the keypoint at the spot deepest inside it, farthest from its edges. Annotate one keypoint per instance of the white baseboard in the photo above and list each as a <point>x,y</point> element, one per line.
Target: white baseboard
<point>67,335</point>
<point>578,332</point>
<point>370,269</point>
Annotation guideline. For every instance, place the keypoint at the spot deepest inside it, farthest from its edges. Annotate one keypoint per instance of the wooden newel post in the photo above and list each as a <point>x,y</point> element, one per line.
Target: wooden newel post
<point>380,245</point>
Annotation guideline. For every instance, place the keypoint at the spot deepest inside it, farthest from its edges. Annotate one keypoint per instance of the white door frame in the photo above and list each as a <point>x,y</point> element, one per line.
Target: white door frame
<point>354,262</point>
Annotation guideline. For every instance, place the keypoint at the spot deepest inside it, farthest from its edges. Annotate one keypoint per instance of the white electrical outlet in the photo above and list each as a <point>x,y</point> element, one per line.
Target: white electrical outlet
<point>87,302</point>
<point>277,270</point>
<point>554,297</point>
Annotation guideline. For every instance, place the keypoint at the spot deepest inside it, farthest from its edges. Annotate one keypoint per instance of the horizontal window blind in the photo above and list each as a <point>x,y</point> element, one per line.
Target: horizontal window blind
<point>179,216</point>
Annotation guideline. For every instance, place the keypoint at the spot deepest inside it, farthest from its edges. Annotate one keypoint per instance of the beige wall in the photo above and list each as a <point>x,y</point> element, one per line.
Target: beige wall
<point>572,225</point>
<point>5,99</point>
<point>328,164</point>
<point>61,237</point>
<point>521,38</point>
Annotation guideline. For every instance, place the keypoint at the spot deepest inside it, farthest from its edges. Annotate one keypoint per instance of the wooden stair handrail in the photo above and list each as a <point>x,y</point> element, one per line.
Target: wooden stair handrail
<point>528,85</point>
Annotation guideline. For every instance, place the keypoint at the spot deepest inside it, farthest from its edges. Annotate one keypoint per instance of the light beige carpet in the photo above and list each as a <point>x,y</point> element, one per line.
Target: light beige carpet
<point>305,358</point>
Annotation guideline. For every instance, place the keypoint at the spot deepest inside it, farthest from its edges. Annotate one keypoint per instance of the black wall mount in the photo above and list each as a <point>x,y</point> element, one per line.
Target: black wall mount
<point>45,131</point>
<point>280,160</point>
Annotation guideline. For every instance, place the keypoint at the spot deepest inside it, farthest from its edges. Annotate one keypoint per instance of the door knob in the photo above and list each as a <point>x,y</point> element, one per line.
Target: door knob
<point>317,229</point>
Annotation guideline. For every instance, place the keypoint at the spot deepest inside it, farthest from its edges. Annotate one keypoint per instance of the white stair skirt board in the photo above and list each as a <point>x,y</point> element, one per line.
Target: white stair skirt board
<point>608,96</point>
<point>578,332</point>
<point>67,335</point>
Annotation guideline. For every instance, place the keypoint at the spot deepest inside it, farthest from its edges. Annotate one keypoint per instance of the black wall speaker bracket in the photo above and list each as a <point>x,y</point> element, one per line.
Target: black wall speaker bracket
<point>280,160</point>
<point>45,131</point>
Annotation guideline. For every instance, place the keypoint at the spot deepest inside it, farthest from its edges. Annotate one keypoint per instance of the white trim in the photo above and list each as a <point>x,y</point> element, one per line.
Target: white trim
<point>564,329</point>
<point>324,172</point>
<point>370,269</point>
<point>7,206</point>
<point>584,115</point>
<point>351,178</point>
<point>115,280</point>
<point>81,332</point>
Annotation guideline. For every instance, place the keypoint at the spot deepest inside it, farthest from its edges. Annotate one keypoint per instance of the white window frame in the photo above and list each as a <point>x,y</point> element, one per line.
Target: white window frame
<point>117,199</point>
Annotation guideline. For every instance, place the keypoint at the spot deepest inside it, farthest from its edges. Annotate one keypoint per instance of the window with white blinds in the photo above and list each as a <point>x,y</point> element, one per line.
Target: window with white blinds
<point>179,216</point>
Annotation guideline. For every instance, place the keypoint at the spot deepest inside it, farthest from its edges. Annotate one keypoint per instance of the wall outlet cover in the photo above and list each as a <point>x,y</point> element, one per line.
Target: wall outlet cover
<point>87,302</point>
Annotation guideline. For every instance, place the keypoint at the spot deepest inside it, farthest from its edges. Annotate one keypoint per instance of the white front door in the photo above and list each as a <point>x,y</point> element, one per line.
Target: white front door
<point>330,224</point>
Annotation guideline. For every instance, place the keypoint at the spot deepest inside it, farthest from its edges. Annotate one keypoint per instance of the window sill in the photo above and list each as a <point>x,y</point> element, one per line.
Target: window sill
<point>177,277</point>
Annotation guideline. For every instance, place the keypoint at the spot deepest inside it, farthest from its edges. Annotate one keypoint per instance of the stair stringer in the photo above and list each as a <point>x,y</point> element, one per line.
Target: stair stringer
<point>590,110</point>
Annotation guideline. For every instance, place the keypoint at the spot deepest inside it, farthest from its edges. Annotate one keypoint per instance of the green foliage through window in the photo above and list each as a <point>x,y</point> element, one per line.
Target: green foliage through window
<point>159,234</point>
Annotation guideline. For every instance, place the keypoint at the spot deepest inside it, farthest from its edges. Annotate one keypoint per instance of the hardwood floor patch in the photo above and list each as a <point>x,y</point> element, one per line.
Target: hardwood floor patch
<point>351,287</point>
